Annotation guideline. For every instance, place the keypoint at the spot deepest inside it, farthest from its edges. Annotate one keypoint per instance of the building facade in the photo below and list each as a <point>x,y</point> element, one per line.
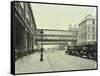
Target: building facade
<point>58,38</point>
<point>24,28</point>
<point>87,31</point>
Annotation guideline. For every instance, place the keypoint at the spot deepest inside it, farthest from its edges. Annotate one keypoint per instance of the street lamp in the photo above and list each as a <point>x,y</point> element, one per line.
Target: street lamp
<point>41,55</point>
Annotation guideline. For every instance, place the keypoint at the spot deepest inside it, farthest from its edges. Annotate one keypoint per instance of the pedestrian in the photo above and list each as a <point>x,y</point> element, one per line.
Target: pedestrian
<point>65,49</point>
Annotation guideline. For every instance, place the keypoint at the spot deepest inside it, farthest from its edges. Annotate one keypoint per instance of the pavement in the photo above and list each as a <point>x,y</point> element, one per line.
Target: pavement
<point>53,61</point>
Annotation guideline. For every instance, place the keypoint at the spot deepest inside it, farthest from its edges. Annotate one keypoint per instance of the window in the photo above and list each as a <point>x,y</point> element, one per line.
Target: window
<point>22,5</point>
<point>88,37</point>
<point>88,29</point>
<point>93,21</point>
<point>93,36</point>
<point>93,29</point>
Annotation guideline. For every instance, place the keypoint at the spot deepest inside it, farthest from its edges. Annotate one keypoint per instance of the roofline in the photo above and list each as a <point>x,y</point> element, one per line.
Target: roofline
<point>54,30</point>
<point>85,21</point>
<point>32,14</point>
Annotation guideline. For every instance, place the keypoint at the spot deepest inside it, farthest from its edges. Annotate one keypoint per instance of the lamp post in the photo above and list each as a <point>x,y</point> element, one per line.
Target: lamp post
<point>41,55</point>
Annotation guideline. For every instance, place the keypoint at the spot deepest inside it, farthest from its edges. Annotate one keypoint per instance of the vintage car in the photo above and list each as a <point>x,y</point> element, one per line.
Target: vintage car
<point>84,51</point>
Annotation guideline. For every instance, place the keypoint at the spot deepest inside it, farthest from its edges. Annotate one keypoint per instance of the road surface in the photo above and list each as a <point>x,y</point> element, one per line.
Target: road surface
<point>53,61</point>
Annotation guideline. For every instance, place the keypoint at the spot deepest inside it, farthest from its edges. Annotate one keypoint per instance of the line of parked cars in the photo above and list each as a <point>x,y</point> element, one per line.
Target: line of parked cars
<point>85,51</point>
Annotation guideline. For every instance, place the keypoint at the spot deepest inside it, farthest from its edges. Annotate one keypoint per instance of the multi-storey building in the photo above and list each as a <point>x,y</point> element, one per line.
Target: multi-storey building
<point>87,31</point>
<point>24,28</point>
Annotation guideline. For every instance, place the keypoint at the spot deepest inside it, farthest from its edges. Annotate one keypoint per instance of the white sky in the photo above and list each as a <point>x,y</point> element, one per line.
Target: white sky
<point>49,16</point>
